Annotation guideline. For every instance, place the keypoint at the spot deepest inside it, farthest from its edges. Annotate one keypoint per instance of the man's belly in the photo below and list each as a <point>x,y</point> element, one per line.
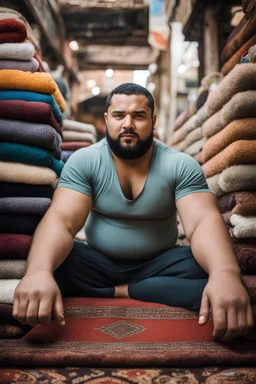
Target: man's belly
<point>126,239</point>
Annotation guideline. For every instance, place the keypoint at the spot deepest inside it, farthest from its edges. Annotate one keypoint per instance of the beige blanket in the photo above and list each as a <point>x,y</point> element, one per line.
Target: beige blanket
<point>239,152</point>
<point>78,136</point>
<point>243,129</point>
<point>243,227</point>
<point>195,148</point>
<point>194,136</point>
<point>71,125</point>
<point>7,288</point>
<point>12,269</point>
<point>241,78</point>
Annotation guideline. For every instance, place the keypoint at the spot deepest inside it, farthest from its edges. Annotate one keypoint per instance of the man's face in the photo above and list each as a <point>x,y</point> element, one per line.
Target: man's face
<point>130,126</point>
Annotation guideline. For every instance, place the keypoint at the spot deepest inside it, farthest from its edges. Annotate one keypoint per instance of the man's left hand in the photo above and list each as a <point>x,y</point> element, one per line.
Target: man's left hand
<point>230,304</point>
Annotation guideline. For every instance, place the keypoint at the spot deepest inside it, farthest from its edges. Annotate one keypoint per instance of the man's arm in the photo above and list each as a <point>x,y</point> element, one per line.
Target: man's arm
<point>212,248</point>
<point>37,298</point>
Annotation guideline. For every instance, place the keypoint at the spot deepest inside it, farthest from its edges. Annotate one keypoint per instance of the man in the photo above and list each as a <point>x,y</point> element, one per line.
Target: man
<point>127,188</point>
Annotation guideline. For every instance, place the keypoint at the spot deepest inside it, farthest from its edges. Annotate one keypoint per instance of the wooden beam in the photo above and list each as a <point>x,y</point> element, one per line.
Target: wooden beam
<point>211,47</point>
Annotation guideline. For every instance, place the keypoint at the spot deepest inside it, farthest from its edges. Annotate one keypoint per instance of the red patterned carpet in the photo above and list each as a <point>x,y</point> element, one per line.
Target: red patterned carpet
<point>208,375</point>
<point>124,333</point>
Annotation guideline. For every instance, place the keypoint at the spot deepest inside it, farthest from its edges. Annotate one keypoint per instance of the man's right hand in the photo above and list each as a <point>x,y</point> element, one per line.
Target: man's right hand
<point>37,300</point>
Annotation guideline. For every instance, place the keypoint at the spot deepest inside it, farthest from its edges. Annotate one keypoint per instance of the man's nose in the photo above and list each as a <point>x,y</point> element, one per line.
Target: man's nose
<point>128,122</point>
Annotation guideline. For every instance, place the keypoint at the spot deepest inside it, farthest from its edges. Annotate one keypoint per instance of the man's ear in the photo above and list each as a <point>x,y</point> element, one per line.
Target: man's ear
<point>105,117</point>
<point>154,121</point>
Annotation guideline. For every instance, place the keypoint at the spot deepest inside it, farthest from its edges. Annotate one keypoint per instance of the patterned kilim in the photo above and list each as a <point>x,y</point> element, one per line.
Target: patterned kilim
<point>124,333</point>
<point>75,375</point>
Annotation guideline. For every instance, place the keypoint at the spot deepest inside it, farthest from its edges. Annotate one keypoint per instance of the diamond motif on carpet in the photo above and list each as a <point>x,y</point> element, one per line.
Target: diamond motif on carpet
<point>122,329</point>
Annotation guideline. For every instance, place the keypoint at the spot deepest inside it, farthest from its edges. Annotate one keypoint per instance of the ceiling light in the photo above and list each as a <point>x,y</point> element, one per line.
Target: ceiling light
<point>109,72</point>
<point>95,91</point>
<point>182,68</point>
<point>74,45</point>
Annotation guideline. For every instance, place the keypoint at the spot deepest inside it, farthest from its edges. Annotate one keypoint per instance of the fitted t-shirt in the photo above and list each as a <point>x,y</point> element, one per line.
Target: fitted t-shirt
<point>136,229</point>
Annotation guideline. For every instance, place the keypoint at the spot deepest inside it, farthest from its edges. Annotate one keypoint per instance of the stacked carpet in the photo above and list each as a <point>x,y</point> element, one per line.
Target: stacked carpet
<point>31,108</point>
<point>230,158</point>
<point>76,135</point>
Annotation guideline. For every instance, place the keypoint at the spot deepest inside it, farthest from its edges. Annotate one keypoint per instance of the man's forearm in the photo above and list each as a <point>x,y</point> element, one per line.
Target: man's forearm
<point>52,243</point>
<point>211,246</point>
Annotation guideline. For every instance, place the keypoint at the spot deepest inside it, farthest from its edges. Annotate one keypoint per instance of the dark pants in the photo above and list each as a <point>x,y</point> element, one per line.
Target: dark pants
<point>174,277</point>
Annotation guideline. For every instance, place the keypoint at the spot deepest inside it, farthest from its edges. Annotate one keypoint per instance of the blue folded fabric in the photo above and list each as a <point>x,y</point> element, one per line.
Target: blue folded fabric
<point>21,153</point>
<point>65,155</point>
<point>33,96</point>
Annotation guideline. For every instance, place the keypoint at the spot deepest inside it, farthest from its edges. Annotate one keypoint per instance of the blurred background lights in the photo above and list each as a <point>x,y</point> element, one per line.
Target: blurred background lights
<point>95,91</point>
<point>91,83</point>
<point>74,45</point>
<point>109,72</point>
<point>182,68</point>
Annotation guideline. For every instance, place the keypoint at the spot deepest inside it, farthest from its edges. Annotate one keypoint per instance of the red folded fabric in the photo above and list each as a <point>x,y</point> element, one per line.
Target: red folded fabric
<point>34,112</point>
<point>74,145</point>
<point>14,246</point>
<point>12,31</point>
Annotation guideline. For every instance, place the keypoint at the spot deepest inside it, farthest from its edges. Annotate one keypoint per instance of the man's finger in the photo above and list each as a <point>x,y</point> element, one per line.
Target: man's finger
<point>220,322</point>
<point>45,311</point>
<point>250,320</point>
<point>232,324</point>
<point>204,313</point>
<point>58,309</point>
<point>32,312</point>
<point>20,311</point>
<point>242,322</point>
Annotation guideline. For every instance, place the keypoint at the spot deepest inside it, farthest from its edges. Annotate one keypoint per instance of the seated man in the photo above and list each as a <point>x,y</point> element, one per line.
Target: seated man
<point>127,188</point>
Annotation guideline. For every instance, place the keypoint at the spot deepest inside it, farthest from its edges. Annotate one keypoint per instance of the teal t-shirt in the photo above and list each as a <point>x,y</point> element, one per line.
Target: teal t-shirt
<point>136,229</point>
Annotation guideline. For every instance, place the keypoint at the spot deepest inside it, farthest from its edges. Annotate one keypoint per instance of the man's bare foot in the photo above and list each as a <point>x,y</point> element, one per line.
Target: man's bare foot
<point>121,291</point>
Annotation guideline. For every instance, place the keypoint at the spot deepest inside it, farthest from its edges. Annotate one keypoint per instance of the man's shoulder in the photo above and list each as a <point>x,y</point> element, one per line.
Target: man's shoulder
<point>92,152</point>
<point>169,152</point>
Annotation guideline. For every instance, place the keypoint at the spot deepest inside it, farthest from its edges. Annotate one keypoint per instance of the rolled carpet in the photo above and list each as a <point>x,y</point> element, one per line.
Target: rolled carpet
<point>190,124</point>
<point>250,284</point>
<point>71,125</point>
<point>78,136</point>
<point>24,205</point>
<point>34,82</point>
<point>243,227</point>
<point>252,54</point>
<point>25,190</point>
<point>235,178</point>
<point>12,31</point>
<point>178,136</point>
<point>194,136</point>
<point>65,155</point>
<point>7,288</point>
<point>199,157</point>
<point>27,174</point>
<point>241,203</point>
<point>239,152</point>
<point>246,254</point>
<point>243,129</point>
<point>13,331</point>
<point>74,145</point>
<point>201,116</point>
<point>242,105</point>
<point>22,65</point>
<point>195,148</point>
<point>181,146</point>
<point>21,224</point>
<point>33,97</point>
<point>17,51</point>
<point>6,314</point>
<point>29,111</point>
<point>241,78</point>
<point>12,269</point>
<point>181,119</point>
<point>14,246</point>
<point>27,154</point>
<point>35,134</point>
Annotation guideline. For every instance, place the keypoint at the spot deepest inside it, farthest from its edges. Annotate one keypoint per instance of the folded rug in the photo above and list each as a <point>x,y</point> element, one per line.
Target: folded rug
<point>35,82</point>
<point>242,105</point>
<point>22,224</point>
<point>12,31</point>
<point>178,136</point>
<point>27,154</point>
<point>241,78</point>
<point>199,157</point>
<point>246,254</point>
<point>28,66</point>
<point>229,65</point>
<point>17,51</point>
<point>13,331</point>
<point>181,146</point>
<point>235,178</point>
<point>14,246</point>
<point>181,119</point>
<point>202,99</point>
<point>25,190</point>
<point>241,203</point>
<point>201,116</point>
<point>78,136</point>
<point>35,134</point>
<point>122,333</point>
<point>239,152</point>
<point>252,54</point>
<point>190,124</point>
<point>243,227</point>
<point>194,136</point>
<point>243,129</point>
<point>7,288</point>
<point>29,111</point>
<point>226,216</point>
<point>71,125</point>
<point>195,148</point>
<point>6,314</point>
<point>24,205</point>
<point>27,174</point>
<point>65,155</point>
<point>73,145</point>
<point>33,97</point>
<point>12,269</point>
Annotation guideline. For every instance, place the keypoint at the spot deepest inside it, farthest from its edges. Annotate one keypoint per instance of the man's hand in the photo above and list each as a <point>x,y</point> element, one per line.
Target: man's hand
<point>37,300</point>
<point>230,304</point>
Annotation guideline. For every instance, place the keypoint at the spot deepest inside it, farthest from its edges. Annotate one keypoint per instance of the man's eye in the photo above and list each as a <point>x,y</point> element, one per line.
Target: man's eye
<point>118,115</point>
<point>139,116</point>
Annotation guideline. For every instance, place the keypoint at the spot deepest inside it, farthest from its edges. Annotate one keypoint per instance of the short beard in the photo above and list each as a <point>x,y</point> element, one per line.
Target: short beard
<point>129,153</point>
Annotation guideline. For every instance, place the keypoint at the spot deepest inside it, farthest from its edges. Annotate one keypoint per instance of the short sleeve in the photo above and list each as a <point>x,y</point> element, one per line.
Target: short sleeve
<point>76,173</point>
<point>189,177</point>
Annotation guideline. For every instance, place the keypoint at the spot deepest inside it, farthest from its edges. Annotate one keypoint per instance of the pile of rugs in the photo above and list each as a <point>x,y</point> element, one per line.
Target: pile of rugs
<point>76,135</point>
<point>31,107</point>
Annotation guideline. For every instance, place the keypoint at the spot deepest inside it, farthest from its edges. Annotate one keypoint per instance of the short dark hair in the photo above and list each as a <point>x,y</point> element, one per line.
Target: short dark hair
<point>131,89</point>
